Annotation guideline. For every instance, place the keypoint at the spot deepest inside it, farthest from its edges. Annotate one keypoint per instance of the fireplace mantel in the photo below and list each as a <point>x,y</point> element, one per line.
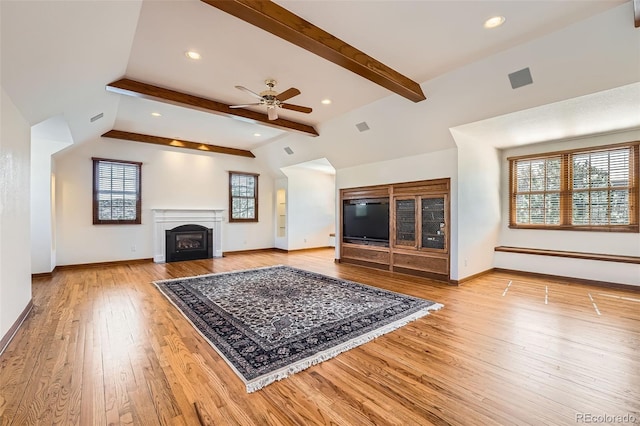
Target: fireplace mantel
<point>165,219</point>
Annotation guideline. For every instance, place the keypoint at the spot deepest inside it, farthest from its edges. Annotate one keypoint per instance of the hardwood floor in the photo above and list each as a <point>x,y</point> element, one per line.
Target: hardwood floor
<point>103,346</point>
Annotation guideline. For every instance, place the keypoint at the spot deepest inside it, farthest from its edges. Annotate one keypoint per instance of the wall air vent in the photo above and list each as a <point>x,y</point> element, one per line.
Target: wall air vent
<point>362,127</point>
<point>520,78</point>
<point>97,117</point>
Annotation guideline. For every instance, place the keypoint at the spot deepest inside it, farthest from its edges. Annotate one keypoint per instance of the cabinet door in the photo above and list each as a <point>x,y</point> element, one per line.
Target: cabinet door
<point>405,232</point>
<point>434,230</point>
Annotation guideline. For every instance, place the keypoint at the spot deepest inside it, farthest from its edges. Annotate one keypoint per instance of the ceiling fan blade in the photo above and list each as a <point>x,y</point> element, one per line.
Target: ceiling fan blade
<point>298,108</point>
<point>244,105</point>
<point>287,94</point>
<point>272,113</point>
<point>252,93</point>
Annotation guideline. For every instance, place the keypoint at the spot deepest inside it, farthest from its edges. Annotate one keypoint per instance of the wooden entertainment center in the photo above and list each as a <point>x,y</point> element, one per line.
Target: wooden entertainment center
<point>418,235</point>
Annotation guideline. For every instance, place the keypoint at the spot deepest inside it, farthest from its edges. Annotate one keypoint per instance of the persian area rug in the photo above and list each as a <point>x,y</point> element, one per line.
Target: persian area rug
<point>269,323</point>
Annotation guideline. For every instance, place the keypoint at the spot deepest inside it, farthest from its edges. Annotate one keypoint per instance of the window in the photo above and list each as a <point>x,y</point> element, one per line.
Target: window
<point>243,197</point>
<point>594,189</point>
<point>116,192</point>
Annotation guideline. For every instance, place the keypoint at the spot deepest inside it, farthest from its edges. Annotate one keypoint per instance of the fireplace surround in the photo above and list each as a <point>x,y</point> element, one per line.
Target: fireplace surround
<point>168,219</point>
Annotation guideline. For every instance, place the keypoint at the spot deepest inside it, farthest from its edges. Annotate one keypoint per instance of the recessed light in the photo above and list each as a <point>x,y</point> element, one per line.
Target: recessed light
<point>494,21</point>
<point>326,101</point>
<point>193,55</point>
<point>156,114</point>
<point>257,134</point>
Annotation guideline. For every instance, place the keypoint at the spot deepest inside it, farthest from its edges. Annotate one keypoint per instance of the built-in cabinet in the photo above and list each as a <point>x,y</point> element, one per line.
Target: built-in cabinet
<point>418,228</point>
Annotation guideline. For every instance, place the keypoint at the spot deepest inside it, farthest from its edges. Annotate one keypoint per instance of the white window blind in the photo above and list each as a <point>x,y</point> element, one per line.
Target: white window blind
<point>600,187</point>
<point>594,189</point>
<point>537,195</point>
<point>243,197</point>
<point>116,192</point>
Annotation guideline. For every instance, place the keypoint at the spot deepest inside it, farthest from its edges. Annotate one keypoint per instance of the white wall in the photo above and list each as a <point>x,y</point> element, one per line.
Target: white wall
<point>440,164</point>
<point>478,204</point>
<point>15,259</point>
<point>171,178</point>
<point>43,245</point>
<point>620,243</point>
<point>310,208</point>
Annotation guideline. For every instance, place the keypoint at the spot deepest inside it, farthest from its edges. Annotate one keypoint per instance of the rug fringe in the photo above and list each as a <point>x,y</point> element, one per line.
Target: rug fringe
<point>260,382</point>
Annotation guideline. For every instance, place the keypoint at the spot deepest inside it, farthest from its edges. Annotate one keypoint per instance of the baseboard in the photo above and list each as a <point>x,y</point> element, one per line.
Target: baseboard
<point>262,250</point>
<point>274,249</point>
<point>471,277</point>
<point>594,283</point>
<point>307,249</point>
<point>44,274</point>
<point>6,339</point>
<point>103,264</point>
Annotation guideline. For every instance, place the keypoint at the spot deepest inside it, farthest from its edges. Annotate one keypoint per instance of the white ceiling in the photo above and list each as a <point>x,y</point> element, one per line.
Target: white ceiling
<point>57,57</point>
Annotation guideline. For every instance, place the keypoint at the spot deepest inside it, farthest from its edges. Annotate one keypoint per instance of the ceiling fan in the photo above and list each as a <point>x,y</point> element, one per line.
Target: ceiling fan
<point>273,100</point>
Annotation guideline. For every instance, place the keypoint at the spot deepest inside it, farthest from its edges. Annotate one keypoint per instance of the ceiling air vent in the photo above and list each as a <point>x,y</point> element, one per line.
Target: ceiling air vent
<point>288,150</point>
<point>97,117</point>
<point>362,127</point>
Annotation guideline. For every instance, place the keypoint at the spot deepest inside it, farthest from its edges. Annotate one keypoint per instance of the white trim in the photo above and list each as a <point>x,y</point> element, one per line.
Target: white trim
<point>165,219</point>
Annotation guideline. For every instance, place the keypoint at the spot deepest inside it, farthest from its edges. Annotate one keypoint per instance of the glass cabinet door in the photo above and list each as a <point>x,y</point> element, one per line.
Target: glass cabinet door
<point>405,222</point>
<point>433,223</point>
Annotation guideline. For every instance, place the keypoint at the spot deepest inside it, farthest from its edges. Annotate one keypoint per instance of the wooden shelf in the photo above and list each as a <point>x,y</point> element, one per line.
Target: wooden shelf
<point>571,254</point>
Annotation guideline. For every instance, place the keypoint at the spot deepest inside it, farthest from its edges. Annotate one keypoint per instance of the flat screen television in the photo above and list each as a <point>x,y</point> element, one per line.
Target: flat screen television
<point>366,221</point>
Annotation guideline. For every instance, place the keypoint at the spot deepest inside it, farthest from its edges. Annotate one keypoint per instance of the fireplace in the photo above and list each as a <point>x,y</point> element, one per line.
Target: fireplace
<point>188,242</point>
<point>171,219</point>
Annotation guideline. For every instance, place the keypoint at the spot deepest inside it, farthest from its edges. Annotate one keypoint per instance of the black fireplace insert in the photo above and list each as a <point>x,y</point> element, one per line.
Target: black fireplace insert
<point>188,242</point>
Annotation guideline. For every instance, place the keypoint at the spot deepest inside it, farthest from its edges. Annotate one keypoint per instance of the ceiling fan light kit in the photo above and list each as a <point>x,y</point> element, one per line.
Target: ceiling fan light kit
<point>273,100</point>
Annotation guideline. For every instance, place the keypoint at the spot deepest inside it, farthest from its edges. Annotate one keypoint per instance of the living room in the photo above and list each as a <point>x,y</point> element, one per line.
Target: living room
<point>584,93</point>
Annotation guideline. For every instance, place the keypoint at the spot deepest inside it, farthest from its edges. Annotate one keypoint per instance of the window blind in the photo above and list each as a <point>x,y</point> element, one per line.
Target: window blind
<point>116,192</point>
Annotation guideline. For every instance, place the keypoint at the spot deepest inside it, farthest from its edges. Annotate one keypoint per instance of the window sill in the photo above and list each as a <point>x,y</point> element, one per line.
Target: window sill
<point>619,228</point>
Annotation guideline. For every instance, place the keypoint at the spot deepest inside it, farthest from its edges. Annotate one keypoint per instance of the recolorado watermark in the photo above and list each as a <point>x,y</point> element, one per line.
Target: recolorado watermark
<point>604,418</point>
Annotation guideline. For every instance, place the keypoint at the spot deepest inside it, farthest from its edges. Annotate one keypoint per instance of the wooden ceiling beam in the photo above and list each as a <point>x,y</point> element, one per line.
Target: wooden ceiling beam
<point>158,140</point>
<point>279,21</point>
<point>138,89</point>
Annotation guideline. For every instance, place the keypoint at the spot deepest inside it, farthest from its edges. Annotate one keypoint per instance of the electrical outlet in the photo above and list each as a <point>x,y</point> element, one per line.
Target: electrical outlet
<point>133,247</point>
<point>465,263</point>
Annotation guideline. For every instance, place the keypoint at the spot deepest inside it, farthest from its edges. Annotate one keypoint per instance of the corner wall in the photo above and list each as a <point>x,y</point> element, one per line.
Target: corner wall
<point>478,204</point>
<point>15,256</point>
<point>310,208</point>
<point>43,244</point>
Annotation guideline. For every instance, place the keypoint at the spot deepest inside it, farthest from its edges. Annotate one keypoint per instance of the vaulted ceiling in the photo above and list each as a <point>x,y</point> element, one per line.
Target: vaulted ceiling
<point>58,57</point>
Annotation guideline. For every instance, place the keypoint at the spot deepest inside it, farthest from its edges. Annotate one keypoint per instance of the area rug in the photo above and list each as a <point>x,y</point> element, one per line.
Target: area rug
<point>269,323</point>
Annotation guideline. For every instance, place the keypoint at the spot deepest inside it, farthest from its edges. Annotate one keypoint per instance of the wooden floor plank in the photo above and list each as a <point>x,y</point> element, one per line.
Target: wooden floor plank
<point>104,346</point>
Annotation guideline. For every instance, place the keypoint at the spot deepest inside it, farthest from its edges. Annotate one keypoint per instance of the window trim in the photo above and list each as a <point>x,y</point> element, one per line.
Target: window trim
<point>96,220</point>
<point>566,192</point>
<point>231,197</point>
